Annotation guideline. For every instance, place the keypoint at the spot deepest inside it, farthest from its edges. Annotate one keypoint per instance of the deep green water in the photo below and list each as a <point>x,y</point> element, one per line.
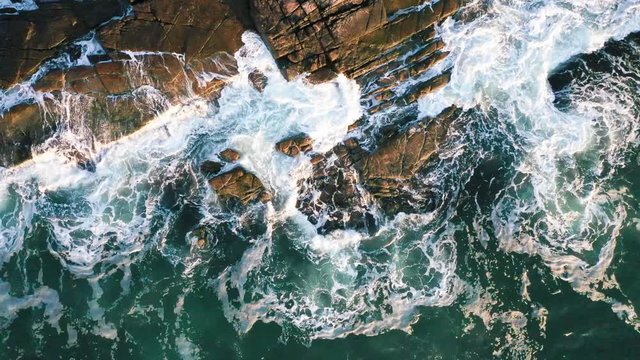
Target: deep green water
<point>148,326</point>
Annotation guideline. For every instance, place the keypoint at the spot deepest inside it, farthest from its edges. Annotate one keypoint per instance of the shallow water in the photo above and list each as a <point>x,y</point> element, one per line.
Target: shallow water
<point>529,251</point>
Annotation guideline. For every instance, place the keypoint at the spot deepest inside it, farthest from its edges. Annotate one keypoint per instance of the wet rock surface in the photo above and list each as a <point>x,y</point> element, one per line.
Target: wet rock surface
<point>366,40</point>
<point>349,181</point>
<point>167,49</point>
<point>114,96</point>
<point>258,80</point>
<point>241,185</point>
<point>29,38</point>
<point>229,155</point>
<point>171,63</point>
<point>18,130</point>
<point>195,28</point>
<point>295,145</point>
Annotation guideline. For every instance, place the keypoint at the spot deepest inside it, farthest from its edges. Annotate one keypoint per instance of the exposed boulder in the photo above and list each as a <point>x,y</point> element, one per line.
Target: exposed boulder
<point>258,80</point>
<point>295,145</point>
<point>388,173</point>
<point>29,38</point>
<point>347,178</point>
<point>241,185</point>
<point>229,155</point>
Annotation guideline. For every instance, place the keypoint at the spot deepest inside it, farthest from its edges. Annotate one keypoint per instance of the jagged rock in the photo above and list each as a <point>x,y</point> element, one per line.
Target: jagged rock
<point>341,36</point>
<point>239,184</point>
<point>337,196</point>
<point>113,91</point>
<point>114,95</point>
<point>294,145</point>
<point>229,155</point>
<point>332,199</point>
<point>29,38</point>
<point>258,80</point>
<point>165,73</point>
<point>387,172</point>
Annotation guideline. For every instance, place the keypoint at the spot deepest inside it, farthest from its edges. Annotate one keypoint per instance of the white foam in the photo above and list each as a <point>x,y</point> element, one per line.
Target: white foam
<point>24,5</point>
<point>501,60</point>
<point>42,296</point>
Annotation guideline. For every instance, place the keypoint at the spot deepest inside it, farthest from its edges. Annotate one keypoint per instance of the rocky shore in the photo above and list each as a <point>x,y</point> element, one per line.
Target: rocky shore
<point>170,49</point>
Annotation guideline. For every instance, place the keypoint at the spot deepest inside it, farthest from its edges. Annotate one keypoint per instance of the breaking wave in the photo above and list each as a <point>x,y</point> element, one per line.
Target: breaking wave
<point>519,176</point>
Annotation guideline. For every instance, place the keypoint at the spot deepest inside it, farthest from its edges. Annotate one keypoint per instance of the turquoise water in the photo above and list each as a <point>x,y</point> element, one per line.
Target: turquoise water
<point>529,251</point>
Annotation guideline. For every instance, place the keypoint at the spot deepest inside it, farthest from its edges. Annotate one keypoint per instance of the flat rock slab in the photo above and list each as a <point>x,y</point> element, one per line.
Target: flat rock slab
<point>195,28</point>
<point>29,38</point>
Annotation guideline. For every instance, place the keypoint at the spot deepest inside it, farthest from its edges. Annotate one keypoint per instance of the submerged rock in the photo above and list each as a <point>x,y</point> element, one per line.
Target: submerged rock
<point>296,144</point>
<point>211,167</point>
<point>241,185</point>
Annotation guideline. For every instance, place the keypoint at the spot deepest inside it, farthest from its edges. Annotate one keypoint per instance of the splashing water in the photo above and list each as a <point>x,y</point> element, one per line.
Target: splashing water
<point>562,202</point>
<point>530,199</point>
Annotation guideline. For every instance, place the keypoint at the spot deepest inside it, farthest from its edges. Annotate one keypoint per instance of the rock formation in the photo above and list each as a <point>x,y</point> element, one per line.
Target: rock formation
<point>363,39</point>
<point>348,177</point>
<point>295,145</point>
<point>172,56</point>
<point>31,37</point>
<point>258,80</point>
<point>195,28</point>
<point>229,155</point>
<point>239,184</point>
<point>390,47</point>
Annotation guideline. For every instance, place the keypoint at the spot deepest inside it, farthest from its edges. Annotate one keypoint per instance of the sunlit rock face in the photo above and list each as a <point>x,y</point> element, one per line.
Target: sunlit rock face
<point>122,66</point>
<point>29,38</point>
<point>144,57</point>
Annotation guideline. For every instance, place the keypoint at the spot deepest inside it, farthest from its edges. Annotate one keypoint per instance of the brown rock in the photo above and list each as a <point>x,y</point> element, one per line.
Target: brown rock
<point>21,128</point>
<point>29,38</point>
<point>388,173</point>
<point>196,28</point>
<point>259,80</point>
<point>239,184</point>
<point>340,36</point>
<point>294,145</point>
<point>229,155</point>
<point>403,155</point>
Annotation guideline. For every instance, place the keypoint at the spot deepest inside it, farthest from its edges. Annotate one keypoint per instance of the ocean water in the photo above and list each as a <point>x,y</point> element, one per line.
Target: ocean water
<point>530,251</point>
